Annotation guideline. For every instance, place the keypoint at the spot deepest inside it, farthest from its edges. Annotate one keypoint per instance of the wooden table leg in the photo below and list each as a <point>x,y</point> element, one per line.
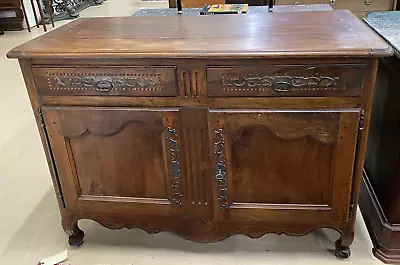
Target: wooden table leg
<point>50,12</point>
<point>24,12</point>
<point>42,15</point>
<point>34,13</point>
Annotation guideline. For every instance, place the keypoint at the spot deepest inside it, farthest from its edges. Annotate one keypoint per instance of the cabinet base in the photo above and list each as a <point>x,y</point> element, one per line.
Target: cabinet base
<point>75,234</point>
<point>206,232</point>
<point>76,240</point>
<point>384,235</point>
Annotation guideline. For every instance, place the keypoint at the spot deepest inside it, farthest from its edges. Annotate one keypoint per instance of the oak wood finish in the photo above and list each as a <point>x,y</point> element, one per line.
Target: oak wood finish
<point>274,36</point>
<point>139,135</point>
<point>318,80</point>
<point>127,81</point>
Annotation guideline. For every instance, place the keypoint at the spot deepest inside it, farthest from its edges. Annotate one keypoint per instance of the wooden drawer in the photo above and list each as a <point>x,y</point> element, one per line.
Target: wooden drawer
<point>286,80</point>
<point>352,5</point>
<point>107,81</point>
<point>364,5</point>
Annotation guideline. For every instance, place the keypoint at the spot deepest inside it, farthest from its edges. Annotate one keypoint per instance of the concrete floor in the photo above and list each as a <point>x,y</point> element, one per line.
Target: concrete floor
<point>30,225</point>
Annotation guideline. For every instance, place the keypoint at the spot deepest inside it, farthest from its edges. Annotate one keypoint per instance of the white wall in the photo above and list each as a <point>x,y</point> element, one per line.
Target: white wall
<point>29,12</point>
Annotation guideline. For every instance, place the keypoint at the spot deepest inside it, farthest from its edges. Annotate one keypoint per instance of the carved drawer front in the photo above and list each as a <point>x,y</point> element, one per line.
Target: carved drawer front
<point>107,81</point>
<point>286,80</point>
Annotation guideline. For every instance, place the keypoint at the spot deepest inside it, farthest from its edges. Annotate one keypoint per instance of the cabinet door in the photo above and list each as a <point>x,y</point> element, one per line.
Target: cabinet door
<point>284,166</point>
<point>118,160</point>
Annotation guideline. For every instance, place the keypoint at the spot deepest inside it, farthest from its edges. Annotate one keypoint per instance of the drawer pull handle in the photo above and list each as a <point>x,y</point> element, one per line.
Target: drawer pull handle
<point>281,86</point>
<point>104,86</point>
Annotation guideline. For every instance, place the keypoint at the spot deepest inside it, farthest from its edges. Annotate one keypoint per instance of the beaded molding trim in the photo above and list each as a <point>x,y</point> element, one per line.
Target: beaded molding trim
<point>103,82</point>
<point>281,83</point>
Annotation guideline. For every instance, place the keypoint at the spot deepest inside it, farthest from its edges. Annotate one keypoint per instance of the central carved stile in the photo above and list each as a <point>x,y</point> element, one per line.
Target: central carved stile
<point>220,169</point>
<point>175,167</point>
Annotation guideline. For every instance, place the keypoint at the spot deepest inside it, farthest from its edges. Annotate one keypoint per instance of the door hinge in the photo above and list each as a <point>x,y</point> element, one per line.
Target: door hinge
<point>361,121</point>
<point>52,165</point>
<point>356,161</point>
<point>351,210</point>
<point>42,124</point>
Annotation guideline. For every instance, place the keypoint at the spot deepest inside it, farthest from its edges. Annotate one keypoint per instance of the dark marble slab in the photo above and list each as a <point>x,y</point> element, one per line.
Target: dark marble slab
<point>386,24</point>
<point>252,10</point>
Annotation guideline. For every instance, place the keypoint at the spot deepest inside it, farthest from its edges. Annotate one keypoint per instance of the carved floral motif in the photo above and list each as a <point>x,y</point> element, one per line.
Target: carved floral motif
<point>105,83</point>
<point>174,164</point>
<point>220,169</point>
<point>283,83</point>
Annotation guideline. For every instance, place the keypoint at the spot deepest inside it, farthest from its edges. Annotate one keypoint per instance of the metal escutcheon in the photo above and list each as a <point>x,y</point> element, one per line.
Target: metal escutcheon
<point>104,86</point>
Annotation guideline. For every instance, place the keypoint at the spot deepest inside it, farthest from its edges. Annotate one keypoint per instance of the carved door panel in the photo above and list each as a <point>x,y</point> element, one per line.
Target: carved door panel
<point>286,166</point>
<point>118,160</point>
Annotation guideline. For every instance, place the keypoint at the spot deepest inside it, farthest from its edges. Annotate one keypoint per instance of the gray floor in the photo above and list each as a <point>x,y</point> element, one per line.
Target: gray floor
<point>30,226</point>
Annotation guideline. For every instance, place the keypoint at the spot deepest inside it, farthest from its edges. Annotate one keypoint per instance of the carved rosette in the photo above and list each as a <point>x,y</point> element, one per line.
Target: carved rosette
<point>174,166</point>
<point>220,169</point>
<point>283,83</point>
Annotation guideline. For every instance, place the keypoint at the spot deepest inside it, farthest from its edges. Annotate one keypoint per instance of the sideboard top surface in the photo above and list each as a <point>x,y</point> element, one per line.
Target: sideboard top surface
<point>276,35</point>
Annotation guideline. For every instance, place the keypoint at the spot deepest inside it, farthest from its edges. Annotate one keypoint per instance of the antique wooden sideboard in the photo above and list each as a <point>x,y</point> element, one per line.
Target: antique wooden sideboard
<point>206,126</point>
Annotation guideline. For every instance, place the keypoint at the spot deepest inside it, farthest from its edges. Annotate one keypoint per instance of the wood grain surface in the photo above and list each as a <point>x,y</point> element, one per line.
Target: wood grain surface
<point>206,126</point>
<point>299,34</point>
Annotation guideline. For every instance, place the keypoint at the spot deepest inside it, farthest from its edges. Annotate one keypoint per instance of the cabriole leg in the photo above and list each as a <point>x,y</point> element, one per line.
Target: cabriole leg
<point>75,234</point>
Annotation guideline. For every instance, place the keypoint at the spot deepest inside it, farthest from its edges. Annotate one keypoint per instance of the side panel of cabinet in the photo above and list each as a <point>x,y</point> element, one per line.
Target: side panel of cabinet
<point>118,160</point>
<point>286,166</point>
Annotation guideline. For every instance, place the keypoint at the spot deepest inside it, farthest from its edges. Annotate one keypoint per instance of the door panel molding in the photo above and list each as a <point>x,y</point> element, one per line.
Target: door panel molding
<point>103,125</point>
<point>335,128</point>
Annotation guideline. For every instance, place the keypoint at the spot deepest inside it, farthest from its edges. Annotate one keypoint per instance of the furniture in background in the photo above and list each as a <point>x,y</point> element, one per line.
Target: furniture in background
<point>253,10</point>
<point>380,192</point>
<point>201,135</point>
<point>24,15</point>
<point>359,7</point>
<point>37,20</point>
<point>49,13</point>
<point>20,9</point>
<point>15,21</point>
<point>66,9</point>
